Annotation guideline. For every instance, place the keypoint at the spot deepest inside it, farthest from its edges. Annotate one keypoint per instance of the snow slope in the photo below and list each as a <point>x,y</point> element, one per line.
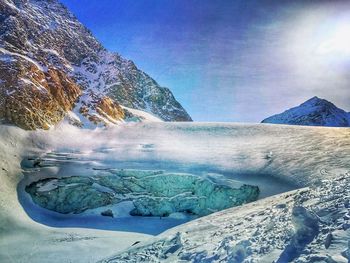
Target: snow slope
<point>313,112</point>
<point>307,225</point>
<point>138,115</point>
<point>271,156</point>
<point>22,239</point>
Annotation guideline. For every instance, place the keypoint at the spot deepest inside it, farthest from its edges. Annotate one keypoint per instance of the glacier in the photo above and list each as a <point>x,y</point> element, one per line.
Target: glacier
<point>302,174</point>
<point>153,193</point>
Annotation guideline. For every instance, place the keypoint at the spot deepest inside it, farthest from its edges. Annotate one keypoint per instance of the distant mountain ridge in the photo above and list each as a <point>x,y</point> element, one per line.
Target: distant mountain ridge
<point>313,112</point>
<point>51,65</point>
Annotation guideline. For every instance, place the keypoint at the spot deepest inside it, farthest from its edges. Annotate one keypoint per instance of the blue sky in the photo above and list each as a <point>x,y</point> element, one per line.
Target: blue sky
<point>230,60</point>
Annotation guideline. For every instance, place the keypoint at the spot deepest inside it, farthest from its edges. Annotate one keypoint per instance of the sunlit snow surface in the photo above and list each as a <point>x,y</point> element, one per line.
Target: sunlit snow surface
<point>206,151</point>
<point>275,158</point>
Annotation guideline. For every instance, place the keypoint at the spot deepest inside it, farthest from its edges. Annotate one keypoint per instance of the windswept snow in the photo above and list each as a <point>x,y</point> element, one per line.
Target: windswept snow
<point>11,5</point>
<point>52,51</point>
<point>139,115</point>
<point>38,86</point>
<point>306,225</point>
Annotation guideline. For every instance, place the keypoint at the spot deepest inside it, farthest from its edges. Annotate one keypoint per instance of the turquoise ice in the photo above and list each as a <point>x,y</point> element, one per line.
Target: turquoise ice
<point>153,193</point>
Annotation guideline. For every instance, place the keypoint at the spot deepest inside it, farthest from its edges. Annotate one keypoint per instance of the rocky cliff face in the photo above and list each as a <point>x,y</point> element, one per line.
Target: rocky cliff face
<point>313,112</point>
<point>51,64</point>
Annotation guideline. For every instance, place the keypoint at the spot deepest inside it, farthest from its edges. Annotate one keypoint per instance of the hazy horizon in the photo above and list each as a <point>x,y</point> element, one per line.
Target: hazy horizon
<point>231,61</point>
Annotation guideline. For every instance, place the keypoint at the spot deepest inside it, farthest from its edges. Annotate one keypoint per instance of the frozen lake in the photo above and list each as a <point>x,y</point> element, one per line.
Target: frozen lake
<point>224,153</point>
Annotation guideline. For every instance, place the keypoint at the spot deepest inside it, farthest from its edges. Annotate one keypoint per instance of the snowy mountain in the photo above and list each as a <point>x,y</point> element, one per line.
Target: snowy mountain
<point>51,64</point>
<point>314,112</point>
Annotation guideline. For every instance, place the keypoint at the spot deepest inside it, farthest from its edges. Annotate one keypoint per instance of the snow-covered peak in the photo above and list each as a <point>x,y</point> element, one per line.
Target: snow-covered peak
<point>313,112</point>
<point>316,101</point>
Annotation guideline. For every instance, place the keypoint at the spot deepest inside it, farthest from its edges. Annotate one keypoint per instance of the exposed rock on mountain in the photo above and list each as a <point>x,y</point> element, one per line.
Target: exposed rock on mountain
<point>48,60</point>
<point>314,112</point>
<point>31,97</point>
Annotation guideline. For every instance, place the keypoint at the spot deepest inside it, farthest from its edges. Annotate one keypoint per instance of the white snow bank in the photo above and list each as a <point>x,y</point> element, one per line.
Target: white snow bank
<point>22,239</point>
<point>306,225</point>
<point>142,115</point>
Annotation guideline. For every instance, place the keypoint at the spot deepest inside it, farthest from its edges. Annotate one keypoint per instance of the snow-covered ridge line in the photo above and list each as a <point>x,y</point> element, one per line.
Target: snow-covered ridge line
<point>11,5</point>
<point>30,60</point>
